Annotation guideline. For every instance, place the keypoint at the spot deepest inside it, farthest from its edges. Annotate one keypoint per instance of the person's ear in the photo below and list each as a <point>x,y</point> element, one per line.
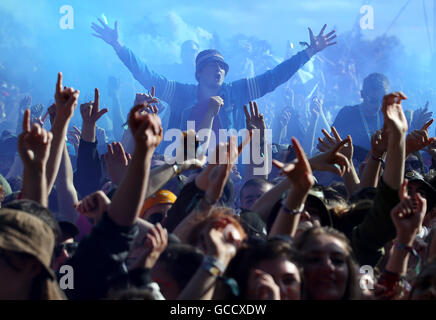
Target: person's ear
<point>197,76</point>
<point>361,94</point>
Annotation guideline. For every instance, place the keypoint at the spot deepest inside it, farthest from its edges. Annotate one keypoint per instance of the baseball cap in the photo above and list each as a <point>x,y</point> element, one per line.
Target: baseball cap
<point>209,55</point>
<point>416,176</point>
<point>160,197</point>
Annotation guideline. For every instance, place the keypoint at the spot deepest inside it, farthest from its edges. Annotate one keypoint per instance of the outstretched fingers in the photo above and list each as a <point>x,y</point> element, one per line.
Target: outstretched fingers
<point>328,136</point>
<point>322,30</point>
<point>102,23</point>
<point>336,134</point>
<point>339,145</point>
<point>312,37</point>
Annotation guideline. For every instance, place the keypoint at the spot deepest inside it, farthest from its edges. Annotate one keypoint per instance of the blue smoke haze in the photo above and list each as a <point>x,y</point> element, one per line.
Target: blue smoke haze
<point>34,48</point>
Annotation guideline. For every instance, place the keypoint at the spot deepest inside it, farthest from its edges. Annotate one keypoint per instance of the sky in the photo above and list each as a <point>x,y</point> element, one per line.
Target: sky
<point>154,29</point>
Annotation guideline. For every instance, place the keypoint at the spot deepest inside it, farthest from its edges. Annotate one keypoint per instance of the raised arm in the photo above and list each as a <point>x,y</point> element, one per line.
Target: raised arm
<point>130,195</point>
<point>139,69</point>
<point>369,237</point>
<point>267,201</point>
<point>258,86</point>
<point>258,144</point>
<point>34,148</point>
<point>219,252</point>
<point>91,113</point>
<point>371,173</point>
<point>407,217</point>
<point>395,124</point>
<point>66,102</point>
<point>351,179</point>
<point>212,180</point>
<point>419,139</point>
<point>301,179</point>
<point>88,173</point>
<point>66,193</point>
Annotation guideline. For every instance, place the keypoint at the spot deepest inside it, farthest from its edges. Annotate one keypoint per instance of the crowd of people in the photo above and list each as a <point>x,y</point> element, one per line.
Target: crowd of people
<point>347,216</point>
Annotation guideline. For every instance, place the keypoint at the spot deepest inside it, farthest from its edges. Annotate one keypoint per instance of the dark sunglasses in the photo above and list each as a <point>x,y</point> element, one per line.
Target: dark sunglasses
<point>70,248</point>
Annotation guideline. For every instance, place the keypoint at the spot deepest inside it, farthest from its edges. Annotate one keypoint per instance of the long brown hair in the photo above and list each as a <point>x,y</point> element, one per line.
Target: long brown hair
<point>352,290</point>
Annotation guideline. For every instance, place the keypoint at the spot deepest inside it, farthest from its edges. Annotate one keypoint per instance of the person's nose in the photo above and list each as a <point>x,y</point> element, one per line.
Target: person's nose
<point>327,265</point>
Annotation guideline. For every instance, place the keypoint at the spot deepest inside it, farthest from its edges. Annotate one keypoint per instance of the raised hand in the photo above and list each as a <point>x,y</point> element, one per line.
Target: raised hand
<point>299,171</point>
<point>284,118</point>
<point>25,103</point>
<point>214,106</point>
<point>421,117</point>
<point>188,160</point>
<point>52,113</point>
<point>408,215</point>
<point>94,205</point>
<point>74,138</point>
<point>332,160</point>
<point>116,161</point>
<point>220,246</point>
<point>34,144</point>
<point>66,101</point>
<point>316,106</point>
<point>395,121</point>
<point>329,142</point>
<point>379,143</point>
<point>155,243</point>
<point>40,120</point>
<point>321,41</point>
<point>254,119</point>
<point>90,111</point>
<point>225,155</point>
<point>146,128</point>
<point>109,35</point>
<point>148,98</point>
<point>419,139</point>
<point>220,173</point>
<point>265,288</point>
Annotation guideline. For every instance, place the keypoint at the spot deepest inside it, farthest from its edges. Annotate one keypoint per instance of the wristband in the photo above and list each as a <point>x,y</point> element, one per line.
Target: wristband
<point>378,159</point>
<point>216,268</point>
<point>294,211</point>
<point>411,250</point>
<point>213,265</point>
<point>177,169</point>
